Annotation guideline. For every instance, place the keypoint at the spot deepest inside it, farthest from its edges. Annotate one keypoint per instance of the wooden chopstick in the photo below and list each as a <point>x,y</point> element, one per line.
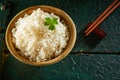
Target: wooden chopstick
<point>108,8</point>
<point>103,16</point>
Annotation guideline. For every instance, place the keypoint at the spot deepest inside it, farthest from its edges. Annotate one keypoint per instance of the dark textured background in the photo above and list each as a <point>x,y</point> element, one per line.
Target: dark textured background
<point>74,66</point>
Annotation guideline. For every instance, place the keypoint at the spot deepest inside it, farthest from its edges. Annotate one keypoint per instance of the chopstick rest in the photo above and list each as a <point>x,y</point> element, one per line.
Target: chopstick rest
<point>94,37</point>
<point>99,32</point>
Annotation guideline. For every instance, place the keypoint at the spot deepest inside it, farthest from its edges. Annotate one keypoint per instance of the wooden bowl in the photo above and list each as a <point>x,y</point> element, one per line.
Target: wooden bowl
<point>64,16</point>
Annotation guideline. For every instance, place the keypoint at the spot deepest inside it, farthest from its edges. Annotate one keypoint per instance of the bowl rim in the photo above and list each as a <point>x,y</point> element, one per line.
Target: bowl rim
<point>52,61</point>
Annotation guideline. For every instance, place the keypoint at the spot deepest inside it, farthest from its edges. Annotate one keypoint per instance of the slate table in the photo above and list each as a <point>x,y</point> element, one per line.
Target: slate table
<point>74,66</point>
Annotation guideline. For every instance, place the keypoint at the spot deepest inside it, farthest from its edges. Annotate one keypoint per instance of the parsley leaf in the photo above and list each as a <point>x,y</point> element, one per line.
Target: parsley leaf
<point>51,22</point>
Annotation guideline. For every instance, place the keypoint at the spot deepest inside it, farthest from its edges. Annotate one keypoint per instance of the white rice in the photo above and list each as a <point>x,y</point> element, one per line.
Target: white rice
<point>35,41</point>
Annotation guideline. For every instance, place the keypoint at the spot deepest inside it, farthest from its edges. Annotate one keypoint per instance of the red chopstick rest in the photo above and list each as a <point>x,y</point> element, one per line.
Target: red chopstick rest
<point>98,31</point>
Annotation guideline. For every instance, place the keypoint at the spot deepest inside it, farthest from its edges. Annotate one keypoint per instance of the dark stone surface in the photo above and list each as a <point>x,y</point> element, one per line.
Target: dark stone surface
<point>74,66</point>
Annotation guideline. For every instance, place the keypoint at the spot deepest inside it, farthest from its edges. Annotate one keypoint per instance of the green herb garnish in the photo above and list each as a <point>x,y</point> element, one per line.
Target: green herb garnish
<point>51,22</point>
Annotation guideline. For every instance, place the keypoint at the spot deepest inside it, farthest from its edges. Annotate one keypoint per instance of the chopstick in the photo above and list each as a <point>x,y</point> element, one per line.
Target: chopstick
<point>111,5</point>
<point>103,16</point>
